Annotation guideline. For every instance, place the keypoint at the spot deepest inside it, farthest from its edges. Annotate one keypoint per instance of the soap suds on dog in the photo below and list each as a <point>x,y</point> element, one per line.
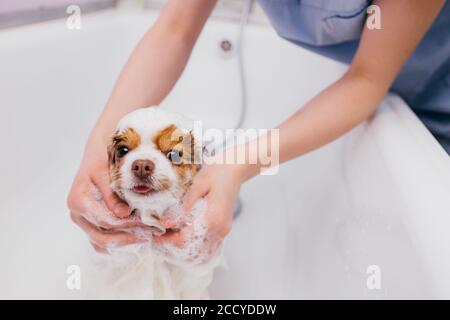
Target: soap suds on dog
<point>153,271</point>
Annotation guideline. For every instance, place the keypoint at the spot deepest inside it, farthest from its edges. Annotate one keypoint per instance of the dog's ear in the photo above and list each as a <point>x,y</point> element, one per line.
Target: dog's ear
<point>167,138</point>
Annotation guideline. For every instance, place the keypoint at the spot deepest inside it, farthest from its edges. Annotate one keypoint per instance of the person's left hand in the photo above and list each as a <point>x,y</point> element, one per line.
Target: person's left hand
<point>219,184</point>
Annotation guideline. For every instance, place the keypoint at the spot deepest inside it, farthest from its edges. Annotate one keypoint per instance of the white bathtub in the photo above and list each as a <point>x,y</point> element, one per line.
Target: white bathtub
<point>379,196</point>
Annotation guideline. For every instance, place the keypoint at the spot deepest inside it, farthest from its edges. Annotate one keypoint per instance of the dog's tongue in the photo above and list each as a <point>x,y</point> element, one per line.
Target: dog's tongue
<point>141,189</point>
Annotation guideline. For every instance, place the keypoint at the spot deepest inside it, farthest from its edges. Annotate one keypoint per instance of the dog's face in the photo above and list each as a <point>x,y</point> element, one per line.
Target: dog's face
<point>152,152</point>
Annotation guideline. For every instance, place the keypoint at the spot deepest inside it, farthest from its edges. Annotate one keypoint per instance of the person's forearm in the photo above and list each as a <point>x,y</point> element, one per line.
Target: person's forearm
<point>377,62</point>
<point>156,63</point>
<point>333,112</point>
<point>150,73</point>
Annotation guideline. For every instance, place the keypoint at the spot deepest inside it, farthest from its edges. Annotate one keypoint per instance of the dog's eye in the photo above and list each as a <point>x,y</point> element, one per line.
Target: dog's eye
<point>122,151</point>
<point>175,156</point>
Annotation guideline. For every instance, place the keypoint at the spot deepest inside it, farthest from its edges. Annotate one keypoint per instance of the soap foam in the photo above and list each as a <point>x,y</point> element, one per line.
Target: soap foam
<point>157,271</point>
<point>198,247</point>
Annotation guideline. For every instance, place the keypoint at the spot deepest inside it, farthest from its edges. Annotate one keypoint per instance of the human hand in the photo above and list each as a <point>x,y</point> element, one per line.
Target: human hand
<point>96,209</point>
<point>219,184</point>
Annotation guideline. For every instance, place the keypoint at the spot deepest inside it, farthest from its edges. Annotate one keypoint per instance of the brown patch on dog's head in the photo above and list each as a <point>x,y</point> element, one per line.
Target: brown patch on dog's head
<point>173,140</point>
<point>121,143</point>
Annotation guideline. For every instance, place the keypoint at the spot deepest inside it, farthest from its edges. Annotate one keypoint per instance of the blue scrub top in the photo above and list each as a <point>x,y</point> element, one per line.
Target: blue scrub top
<point>333,28</point>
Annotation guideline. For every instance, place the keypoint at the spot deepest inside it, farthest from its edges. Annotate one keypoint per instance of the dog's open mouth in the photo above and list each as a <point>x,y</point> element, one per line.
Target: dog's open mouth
<point>143,188</point>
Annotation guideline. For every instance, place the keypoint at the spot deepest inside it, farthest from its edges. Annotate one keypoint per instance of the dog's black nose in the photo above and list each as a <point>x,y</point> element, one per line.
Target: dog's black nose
<point>142,168</point>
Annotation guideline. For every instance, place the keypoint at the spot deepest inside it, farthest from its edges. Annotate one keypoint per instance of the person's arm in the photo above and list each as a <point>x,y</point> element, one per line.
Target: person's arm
<point>150,73</point>
<point>379,58</point>
<point>157,62</point>
<point>336,110</point>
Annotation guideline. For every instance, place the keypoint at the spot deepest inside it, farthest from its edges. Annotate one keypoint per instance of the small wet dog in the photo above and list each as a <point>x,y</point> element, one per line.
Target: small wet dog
<point>153,157</point>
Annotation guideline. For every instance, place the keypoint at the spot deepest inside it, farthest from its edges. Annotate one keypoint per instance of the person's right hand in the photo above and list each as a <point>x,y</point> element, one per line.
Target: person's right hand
<point>96,209</point>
